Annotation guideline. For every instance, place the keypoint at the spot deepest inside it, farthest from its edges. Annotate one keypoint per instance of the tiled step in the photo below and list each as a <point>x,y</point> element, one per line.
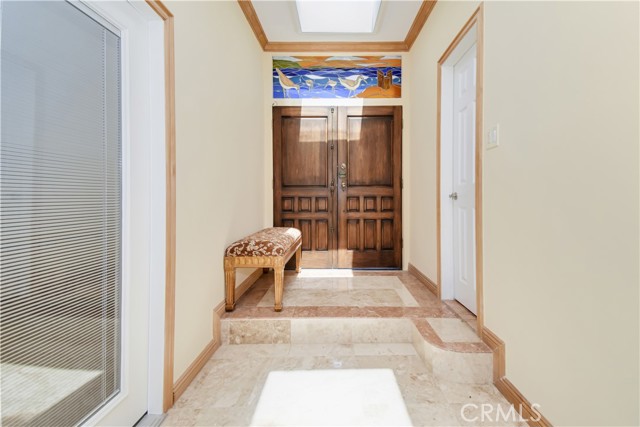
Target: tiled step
<point>315,331</point>
<point>460,358</point>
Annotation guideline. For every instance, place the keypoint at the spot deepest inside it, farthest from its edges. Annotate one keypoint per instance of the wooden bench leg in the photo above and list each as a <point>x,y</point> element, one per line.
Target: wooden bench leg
<point>278,272</point>
<point>298,259</point>
<point>230,288</point>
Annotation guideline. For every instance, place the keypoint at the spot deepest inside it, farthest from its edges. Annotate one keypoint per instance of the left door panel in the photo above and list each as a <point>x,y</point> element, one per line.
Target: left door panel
<point>304,182</point>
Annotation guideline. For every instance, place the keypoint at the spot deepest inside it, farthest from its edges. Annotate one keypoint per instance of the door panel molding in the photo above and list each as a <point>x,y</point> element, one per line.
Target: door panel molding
<point>371,206</point>
<point>303,158</point>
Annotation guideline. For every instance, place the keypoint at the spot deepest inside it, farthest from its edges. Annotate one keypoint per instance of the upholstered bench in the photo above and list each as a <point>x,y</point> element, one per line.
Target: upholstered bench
<point>268,248</point>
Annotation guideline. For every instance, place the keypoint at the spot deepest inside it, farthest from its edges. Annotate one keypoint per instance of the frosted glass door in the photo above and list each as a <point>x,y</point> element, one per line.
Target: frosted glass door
<point>61,213</point>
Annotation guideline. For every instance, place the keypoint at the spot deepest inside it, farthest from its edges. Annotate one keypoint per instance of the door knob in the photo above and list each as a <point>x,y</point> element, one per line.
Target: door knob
<point>453,196</point>
<point>343,171</point>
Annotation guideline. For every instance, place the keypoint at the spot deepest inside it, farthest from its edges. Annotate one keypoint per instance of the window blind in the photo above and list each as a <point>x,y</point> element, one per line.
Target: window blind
<point>60,214</point>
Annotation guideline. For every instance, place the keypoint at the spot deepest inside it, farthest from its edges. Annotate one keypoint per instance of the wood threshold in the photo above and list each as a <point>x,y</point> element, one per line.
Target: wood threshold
<point>382,46</point>
<point>477,20</point>
<point>428,283</point>
<point>170,135</point>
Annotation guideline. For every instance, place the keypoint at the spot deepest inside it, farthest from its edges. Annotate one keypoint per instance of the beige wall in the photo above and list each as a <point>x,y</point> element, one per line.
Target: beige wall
<point>219,120</point>
<point>445,21</point>
<point>561,192</point>
<point>269,102</point>
<point>561,204</point>
<point>561,197</point>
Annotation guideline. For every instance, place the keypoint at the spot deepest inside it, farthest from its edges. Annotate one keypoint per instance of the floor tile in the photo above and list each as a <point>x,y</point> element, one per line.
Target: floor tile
<point>453,330</point>
<point>342,320</point>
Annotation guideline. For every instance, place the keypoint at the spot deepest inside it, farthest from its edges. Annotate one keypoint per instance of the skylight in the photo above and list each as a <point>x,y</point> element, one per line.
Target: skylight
<point>338,16</point>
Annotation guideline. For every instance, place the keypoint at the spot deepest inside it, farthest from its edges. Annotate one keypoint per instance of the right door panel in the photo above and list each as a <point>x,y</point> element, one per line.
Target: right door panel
<point>369,174</point>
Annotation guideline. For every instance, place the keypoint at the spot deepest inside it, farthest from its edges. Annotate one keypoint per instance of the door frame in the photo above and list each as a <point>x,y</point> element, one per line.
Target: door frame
<point>475,22</point>
<point>170,207</point>
<point>163,202</point>
<point>162,337</point>
<point>339,139</point>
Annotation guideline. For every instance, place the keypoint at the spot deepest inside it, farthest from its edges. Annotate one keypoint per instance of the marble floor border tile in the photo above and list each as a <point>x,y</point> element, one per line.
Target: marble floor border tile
<point>453,330</point>
<point>430,336</point>
<point>413,293</point>
<point>460,309</point>
<point>246,312</point>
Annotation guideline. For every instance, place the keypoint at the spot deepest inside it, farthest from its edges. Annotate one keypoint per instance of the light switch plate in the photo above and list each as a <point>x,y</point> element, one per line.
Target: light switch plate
<point>493,137</point>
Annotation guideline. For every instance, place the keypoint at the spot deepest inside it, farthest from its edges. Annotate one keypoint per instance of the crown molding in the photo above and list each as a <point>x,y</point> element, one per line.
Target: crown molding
<point>388,46</point>
<point>254,22</point>
<point>421,19</point>
<point>335,47</point>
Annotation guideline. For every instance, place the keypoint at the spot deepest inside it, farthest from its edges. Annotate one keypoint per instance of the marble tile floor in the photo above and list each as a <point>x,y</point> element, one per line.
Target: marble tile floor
<point>228,388</point>
<point>341,319</point>
<point>347,294</point>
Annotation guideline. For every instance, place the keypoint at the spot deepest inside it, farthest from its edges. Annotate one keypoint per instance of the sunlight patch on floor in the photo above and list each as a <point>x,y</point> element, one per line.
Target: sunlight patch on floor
<point>311,273</point>
<point>359,291</point>
<point>353,397</point>
<point>36,389</point>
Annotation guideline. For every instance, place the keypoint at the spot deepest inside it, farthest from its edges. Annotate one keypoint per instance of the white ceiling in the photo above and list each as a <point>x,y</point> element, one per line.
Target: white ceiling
<point>279,21</point>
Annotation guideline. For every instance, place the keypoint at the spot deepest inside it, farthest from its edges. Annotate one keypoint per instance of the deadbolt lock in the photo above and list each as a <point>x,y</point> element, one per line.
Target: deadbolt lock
<point>342,173</point>
<point>342,176</point>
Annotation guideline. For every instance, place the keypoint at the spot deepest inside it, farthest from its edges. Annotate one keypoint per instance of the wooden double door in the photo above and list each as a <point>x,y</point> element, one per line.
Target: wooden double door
<point>338,179</point>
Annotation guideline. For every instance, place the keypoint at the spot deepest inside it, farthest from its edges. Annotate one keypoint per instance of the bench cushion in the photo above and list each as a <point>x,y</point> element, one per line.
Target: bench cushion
<point>274,241</point>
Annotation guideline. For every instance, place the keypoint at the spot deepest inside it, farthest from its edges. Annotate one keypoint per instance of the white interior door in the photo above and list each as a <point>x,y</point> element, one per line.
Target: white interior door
<point>463,194</point>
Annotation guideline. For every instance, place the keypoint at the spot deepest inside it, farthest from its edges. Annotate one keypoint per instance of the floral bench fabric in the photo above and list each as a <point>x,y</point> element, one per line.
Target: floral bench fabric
<point>273,241</point>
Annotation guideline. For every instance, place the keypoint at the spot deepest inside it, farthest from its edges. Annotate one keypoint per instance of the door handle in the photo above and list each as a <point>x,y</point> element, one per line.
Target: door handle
<point>453,196</point>
<point>342,172</point>
<point>342,176</point>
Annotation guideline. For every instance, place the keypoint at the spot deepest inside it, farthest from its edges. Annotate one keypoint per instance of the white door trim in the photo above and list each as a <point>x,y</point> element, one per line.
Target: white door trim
<point>154,143</point>
<point>475,24</point>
